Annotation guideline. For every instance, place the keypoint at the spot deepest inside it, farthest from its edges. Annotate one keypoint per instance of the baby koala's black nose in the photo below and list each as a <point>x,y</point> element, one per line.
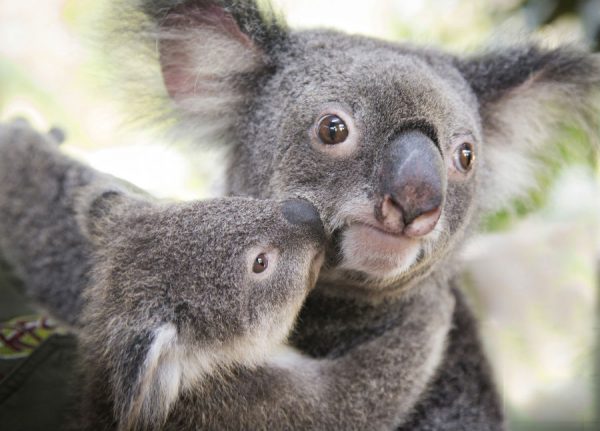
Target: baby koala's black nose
<point>302,213</point>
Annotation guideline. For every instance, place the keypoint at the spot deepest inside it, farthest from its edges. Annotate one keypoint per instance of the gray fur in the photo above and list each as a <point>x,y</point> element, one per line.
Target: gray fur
<point>178,333</point>
<point>185,267</point>
<point>506,103</point>
<point>39,236</point>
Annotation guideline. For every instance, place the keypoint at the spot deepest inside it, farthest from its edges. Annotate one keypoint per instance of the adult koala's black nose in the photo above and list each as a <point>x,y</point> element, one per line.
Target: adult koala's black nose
<point>412,185</point>
<point>301,212</point>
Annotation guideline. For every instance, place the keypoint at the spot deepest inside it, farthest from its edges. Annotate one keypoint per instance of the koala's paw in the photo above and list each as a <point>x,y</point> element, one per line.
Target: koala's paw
<point>20,122</point>
<point>18,139</point>
<point>56,133</point>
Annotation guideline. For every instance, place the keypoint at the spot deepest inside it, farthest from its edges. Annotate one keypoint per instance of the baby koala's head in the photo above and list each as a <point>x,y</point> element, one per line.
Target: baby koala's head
<point>180,290</point>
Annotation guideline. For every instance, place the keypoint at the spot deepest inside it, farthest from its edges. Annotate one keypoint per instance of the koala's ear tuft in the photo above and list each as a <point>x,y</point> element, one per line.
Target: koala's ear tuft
<point>526,94</point>
<point>147,378</point>
<point>212,55</point>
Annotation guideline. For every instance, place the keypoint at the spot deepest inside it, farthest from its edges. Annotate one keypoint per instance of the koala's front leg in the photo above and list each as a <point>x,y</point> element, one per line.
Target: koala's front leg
<point>391,372</point>
<point>462,394</point>
<point>39,237</point>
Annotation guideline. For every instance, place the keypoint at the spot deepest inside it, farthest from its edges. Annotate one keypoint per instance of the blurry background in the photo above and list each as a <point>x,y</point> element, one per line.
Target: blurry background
<point>533,277</point>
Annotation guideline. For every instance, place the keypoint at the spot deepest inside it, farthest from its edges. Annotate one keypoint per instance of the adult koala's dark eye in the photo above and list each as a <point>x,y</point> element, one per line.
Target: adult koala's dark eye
<point>464,158</point>
<point>260,263</point>
<point>332,130</point>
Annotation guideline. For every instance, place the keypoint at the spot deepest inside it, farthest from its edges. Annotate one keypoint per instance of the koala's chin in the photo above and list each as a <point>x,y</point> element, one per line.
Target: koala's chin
<point>372,262</point>
<point>381,255</point>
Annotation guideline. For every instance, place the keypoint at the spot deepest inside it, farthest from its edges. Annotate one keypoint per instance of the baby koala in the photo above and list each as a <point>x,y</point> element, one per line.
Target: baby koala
<point>188,310</point>
<point>186,307</point>
<point>184,291</point>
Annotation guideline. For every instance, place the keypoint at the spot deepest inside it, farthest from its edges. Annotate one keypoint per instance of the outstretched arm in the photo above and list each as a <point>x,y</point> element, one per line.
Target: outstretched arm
<point>371,386</point>
<point>39,237</point>
<point>146,379</point>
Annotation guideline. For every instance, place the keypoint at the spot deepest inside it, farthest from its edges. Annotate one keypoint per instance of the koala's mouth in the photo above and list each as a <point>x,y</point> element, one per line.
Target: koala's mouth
<point>373,250</point>
<point>377,240</point>
<point>385,234</point>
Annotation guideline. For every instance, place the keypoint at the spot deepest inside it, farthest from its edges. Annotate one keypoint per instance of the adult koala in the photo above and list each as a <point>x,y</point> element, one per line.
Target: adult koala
<point>402,149</point>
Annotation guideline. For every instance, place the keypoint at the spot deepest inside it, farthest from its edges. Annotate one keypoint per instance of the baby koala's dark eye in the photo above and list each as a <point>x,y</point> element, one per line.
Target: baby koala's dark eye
<point>260,263</point>
<point>332,130</point>
<point>465,156</point>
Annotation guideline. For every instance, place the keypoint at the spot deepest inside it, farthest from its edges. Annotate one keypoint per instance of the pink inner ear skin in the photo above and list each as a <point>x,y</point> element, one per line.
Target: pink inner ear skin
<point>221,20</point>
<point>176,39</point>
<point>177,81</point>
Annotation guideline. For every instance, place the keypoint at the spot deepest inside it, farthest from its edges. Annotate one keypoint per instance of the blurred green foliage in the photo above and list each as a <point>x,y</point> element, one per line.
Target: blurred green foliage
<point>546,12</point>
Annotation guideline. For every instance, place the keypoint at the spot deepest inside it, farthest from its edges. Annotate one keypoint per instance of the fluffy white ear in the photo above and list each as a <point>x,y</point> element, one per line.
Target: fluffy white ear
<point>212,55</point>
<point>526,95</point>
<point>147,380</point>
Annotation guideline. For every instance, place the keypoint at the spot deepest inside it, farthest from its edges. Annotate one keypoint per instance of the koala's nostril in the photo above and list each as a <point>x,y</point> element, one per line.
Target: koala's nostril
<point>423,224</point>
<point>414,221</point>
<point>302,213</point>
<point>414,206</point>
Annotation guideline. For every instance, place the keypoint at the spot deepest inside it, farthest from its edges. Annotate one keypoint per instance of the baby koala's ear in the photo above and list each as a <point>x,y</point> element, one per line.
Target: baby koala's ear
<point>147,377</point>
<point>99,212</point>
